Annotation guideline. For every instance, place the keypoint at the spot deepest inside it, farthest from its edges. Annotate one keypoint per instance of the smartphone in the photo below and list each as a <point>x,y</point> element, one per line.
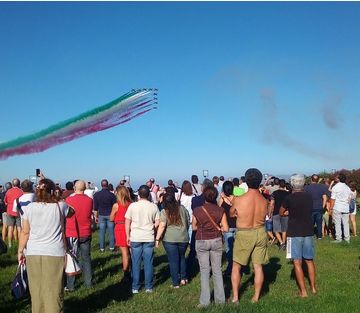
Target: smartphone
<point>37,172</point>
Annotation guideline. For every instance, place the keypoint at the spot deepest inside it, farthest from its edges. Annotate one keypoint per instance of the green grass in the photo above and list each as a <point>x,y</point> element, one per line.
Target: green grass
<point>338,280</point>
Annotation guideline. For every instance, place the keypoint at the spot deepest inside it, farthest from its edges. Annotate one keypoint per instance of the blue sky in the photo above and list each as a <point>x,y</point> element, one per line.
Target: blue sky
<point>267,85</point>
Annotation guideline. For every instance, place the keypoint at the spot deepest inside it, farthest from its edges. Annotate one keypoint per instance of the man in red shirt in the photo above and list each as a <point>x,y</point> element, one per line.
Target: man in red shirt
<point>78,231</point>
<point>13,218</point>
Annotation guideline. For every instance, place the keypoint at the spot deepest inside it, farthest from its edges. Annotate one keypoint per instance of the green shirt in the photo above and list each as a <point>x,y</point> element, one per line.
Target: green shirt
<point>238,191</point>
<point>176,233</point>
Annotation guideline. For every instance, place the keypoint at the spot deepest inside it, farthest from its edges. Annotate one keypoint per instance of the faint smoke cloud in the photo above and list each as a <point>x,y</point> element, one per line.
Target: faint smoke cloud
<point>330,113</point>
<point>275,129</point>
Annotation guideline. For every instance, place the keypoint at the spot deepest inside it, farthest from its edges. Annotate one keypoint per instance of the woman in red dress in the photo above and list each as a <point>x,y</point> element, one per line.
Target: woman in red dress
<point>118,216</point>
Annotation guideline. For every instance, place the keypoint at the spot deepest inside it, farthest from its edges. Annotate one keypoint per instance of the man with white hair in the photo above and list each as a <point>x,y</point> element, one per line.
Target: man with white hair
<point>300,241</point>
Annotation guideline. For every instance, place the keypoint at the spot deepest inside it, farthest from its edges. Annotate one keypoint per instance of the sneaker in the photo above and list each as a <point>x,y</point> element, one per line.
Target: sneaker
<point>148,290</point>
<point>66,289</point>
<point>135,291</point>
<point>184,282</point>
<point>102,250</point>
<point>112,249</point>
<point>336,241</point>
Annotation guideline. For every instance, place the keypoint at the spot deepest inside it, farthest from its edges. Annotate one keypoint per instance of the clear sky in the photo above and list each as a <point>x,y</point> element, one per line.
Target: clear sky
<point>268,85</point>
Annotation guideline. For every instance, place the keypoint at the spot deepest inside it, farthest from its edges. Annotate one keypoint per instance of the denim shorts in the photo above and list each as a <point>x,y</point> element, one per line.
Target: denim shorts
<point>280,224</point>
<point>298,248</point>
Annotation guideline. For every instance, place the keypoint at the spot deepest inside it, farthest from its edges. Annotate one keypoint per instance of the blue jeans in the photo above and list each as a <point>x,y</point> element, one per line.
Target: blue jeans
<point>317,220</point>
<point>229,238</point>
<point>142,251</point>
<point>84,251</point>
<point>104,223</point>
<point>176,254</point>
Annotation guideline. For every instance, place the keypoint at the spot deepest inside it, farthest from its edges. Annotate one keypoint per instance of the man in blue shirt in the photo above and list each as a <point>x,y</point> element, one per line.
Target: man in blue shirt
<point>318,194</point>
<point>103,202</point>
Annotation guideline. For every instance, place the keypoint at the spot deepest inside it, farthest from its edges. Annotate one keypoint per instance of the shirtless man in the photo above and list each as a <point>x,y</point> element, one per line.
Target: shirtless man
<point>251,239</point>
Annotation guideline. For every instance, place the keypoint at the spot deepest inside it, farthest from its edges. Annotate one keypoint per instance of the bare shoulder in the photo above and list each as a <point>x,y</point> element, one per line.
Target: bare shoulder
<point>236,200</point>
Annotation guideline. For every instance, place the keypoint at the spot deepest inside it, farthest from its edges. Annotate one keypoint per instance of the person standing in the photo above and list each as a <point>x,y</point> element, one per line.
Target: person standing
<point>174,224</point>
<point>103,202</point>
<point>251,238</point>
<point>196,201</point>
<point>300,243</point>
<point>42,235</point>
<point>118,217</point>
<point>340,204</point>
<point>197,188</point>
<point>13,219</point>
<point>225,202</point>
<point>280,223</point>
<point>27,197</point>
<point>141,221</point>
<point>318,194</point>
<point>78,232</point>
<point>353,207</point>
<point>209,221</point>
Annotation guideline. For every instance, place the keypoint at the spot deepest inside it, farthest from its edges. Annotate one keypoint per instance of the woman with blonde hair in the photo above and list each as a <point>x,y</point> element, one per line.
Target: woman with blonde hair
<point>118,217</point>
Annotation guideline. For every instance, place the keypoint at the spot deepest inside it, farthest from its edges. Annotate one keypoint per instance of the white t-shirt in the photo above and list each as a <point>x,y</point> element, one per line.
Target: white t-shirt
<point>90,193</point>
<point>186,202</point>
<point>142,215</point>
<point>24,200</point>
<point>244,186</point>
<point>196,189</point>
<point>46,236</point>
<point>341,193</point>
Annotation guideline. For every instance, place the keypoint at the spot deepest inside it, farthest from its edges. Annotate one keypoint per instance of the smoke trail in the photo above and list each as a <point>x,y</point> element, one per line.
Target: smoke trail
<point>279,135</point>
<point>329,112</point>
<point>118,111</point>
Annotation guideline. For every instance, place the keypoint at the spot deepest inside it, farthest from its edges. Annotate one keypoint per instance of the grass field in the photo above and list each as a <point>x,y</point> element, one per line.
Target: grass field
<point>338,281</point>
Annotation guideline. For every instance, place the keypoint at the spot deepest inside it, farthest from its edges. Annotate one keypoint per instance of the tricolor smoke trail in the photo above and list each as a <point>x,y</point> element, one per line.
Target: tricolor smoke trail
<point>118,111</point>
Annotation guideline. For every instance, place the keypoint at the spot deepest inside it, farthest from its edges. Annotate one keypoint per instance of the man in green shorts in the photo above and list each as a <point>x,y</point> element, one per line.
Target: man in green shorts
<point>251,239</point>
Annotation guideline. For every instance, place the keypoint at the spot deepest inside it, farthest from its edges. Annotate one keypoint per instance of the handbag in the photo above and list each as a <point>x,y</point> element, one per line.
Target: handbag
<point>72,267</point>
<point>19,286</point>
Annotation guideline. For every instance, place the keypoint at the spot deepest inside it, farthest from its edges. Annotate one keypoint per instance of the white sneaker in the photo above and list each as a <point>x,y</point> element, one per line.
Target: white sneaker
<point>134,291</point>
<point>148,290</point>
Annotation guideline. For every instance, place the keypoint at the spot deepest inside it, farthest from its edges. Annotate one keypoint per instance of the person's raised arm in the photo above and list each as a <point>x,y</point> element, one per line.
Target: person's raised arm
<point>232,212</point>
<point>224,224</point>
<point>271,206</point>
<point>194,223</point>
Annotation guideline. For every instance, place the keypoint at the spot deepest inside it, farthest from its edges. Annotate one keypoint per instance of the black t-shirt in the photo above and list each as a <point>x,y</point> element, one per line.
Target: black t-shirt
<point>278,196</point>
<point>300,223</point>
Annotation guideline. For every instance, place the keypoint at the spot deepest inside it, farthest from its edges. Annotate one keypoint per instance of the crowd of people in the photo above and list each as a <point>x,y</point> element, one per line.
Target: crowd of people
<point>240,217</point>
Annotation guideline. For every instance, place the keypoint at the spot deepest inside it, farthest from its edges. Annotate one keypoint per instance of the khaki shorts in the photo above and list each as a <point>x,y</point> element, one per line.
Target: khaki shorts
<point>251,243</point>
